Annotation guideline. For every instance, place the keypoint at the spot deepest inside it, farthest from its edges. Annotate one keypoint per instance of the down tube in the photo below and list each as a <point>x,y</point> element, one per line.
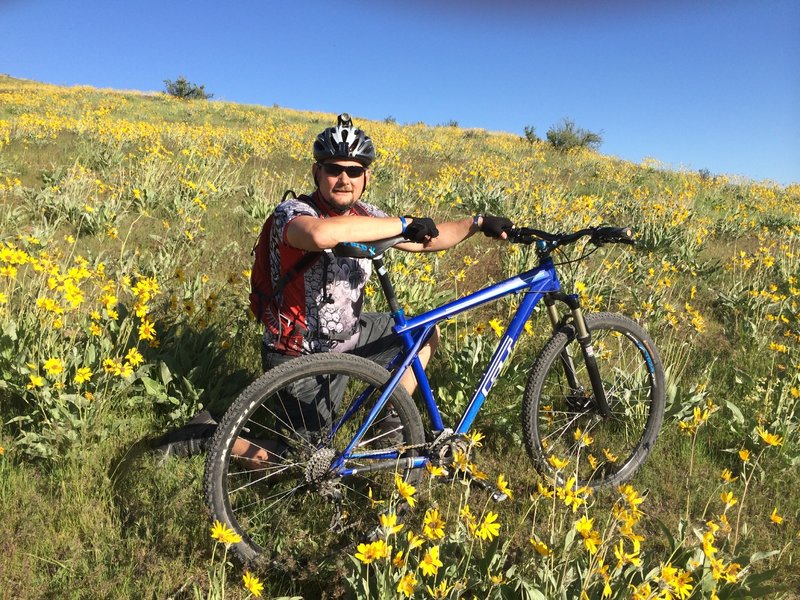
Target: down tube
<point>501,354</point>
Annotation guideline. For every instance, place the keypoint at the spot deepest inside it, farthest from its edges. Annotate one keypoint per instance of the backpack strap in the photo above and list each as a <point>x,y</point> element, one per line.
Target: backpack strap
<point>308,259</point>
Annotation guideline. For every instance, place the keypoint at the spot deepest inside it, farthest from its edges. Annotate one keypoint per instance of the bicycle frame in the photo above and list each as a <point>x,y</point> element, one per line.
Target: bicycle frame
<point>534,283</point>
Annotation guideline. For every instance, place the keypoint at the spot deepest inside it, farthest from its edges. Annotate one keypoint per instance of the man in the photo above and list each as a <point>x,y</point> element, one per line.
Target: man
<point>318,308</point>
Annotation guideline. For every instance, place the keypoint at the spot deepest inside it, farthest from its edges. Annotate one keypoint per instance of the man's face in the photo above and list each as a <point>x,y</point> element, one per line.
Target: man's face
<point>338,187</point>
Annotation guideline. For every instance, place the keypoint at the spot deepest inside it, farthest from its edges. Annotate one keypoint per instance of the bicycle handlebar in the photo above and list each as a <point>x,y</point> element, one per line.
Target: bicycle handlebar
<point>518,235</point>
<point>599,236</point>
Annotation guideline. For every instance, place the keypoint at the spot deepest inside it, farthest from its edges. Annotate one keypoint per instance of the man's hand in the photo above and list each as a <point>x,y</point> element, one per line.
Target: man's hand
<point>421,230</point>
<point>495,227</point>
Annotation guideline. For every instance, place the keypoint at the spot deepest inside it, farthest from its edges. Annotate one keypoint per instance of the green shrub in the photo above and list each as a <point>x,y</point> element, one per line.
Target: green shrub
<point>182,88</point>
<point>566,136</point>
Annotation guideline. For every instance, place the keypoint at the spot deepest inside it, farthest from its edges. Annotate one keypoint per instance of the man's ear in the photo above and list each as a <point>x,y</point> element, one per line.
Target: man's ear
<point>315,174</point>
<point>367,173</point>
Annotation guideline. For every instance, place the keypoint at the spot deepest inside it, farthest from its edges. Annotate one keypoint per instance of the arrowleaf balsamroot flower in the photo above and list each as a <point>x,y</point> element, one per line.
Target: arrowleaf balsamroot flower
<point>489,527</point>
<point>406,490</point>
<point>475,438</point>
<point>728,498</point>
<point>368,553</point>
<point>407,584</point>
<point>83,375</point>
<point>252,584</point>
<point>541,547</point>
<point>430,563</point>
<point>224,534</point>
<point>769,438</point>
<point>591,538</point>
<point>433,525</point>
<point>502,485</point>
<point>53,366</point>
<point>390,524</point>
<point>435,470</point>
<point>557,463</point>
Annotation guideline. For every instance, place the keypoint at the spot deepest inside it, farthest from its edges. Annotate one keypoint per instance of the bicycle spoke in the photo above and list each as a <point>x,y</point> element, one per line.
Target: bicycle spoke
<point>298,489</point>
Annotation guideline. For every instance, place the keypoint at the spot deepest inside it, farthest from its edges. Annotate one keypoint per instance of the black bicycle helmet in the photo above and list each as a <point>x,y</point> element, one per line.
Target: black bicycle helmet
<point>344,141</point>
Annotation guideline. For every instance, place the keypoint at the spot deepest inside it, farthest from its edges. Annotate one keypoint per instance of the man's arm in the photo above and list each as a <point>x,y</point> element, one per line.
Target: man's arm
<point>314,234</point>
<point>451,233</point>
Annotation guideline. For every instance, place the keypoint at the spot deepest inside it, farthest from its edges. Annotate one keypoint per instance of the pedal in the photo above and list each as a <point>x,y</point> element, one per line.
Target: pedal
<point>496,495</point>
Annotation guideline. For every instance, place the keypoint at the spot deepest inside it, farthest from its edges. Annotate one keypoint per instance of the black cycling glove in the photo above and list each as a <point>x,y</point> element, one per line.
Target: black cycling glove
<point>493,227</point>
<point>420,230</point>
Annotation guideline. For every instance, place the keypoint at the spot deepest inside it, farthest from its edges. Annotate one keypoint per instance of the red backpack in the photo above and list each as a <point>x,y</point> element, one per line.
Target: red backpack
<point>262,292</point>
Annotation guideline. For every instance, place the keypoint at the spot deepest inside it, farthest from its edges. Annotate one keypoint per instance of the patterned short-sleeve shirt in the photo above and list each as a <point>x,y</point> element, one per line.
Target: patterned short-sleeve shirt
<point>325,300</point>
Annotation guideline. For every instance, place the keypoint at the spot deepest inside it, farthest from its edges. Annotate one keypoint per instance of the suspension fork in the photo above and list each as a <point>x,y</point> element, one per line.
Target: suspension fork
<point>585,341</point>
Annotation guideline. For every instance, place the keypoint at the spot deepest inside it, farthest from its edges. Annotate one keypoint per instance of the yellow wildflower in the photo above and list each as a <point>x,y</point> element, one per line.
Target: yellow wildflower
<point>390,524</point>
<point>541,547</point>
<point>53,366</point>
<point>406,490</point>
<point>368,553</point>
<point>224,534</point>
<point>475,438</point>
<point>407,584</point>
<point>83,374</point>
<point>398,560</point>
<point>489,528</point>
<point>557,463</point>
<point>502,485</point>
<point>414,540</point>
<point>430,563</point>
<point>35,381</point>
<point>435,470</point>
<point>728,498</point>
<point>497,327</point>
<point>440,591</point>
<point>252,584</point>
<point>433,525</point>
<point>769,438</point>
<point>134,357</point>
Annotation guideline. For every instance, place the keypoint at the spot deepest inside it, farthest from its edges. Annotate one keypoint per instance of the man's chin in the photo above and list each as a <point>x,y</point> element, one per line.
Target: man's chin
<point>343,203</point>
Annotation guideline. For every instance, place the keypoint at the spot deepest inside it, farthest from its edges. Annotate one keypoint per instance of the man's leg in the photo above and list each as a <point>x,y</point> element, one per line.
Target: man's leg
<point>408,380</point>
<point>379,343</point>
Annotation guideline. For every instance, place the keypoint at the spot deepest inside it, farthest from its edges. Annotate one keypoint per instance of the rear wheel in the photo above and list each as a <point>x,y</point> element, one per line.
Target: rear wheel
<point>565,432</point>
<point>283,495</point>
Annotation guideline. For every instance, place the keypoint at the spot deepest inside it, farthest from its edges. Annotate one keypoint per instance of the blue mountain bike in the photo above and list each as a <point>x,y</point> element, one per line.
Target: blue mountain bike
<point>345,429</point>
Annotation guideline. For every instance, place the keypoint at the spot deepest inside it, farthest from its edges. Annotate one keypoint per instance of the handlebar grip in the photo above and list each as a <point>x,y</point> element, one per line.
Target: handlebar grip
<point>613,235</point>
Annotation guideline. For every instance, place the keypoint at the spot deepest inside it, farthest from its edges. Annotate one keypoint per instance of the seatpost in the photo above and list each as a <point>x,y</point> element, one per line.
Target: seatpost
<point>388,290</point>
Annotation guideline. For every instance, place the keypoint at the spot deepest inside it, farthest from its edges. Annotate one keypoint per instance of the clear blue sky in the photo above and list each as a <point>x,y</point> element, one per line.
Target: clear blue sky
<point>695,84</point>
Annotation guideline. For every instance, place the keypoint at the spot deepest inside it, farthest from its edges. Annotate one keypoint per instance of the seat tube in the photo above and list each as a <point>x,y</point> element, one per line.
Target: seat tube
<point>399,316</point>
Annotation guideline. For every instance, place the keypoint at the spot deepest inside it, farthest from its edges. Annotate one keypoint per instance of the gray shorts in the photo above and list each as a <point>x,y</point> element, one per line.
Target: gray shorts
<point>310,403</point>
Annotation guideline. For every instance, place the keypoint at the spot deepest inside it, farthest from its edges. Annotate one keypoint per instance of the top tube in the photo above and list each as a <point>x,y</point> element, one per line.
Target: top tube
<point>541,279</point>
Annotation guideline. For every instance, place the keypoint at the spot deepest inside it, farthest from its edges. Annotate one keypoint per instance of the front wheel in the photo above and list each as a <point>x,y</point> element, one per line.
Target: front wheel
<point>273,473</point>
<point>565,431</point>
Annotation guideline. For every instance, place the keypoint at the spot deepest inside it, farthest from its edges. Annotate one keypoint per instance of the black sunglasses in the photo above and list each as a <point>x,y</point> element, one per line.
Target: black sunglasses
<point>335,170</point>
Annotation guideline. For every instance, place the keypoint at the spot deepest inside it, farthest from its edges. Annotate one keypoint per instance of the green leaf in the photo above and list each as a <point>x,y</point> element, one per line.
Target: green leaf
<point>762,555</point>
<point>737,414</point>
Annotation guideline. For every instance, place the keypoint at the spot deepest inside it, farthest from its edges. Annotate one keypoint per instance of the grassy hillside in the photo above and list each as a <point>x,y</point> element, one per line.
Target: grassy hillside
<point>126,223</point>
